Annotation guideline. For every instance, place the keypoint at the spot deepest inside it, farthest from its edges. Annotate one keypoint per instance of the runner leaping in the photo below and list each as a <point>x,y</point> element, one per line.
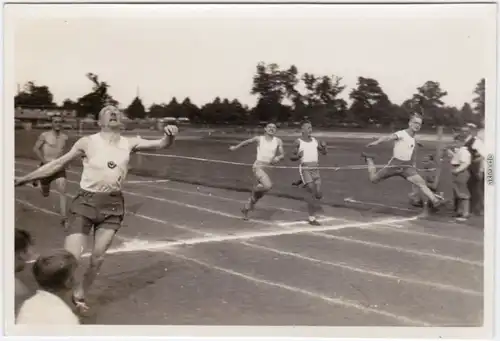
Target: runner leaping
<point>402,162</point>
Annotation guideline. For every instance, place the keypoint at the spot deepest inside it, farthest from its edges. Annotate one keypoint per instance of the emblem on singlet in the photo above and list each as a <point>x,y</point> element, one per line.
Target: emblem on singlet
<point>111,164</point>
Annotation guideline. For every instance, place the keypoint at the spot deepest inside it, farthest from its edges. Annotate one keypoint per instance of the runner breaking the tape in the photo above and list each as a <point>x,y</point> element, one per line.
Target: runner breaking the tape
<point>306,149</point>
<point>98,207</point>
<point>402,162</point>
<point>49,146</point>
<point>269,152</point>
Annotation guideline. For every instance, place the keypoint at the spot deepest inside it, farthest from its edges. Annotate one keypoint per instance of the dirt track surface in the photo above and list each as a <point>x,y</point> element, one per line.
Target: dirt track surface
<point>184,256</point>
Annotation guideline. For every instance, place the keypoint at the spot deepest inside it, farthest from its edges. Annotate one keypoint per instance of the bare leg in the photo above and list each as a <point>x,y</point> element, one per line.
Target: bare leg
<point>313,200</point>
<point>102,241</point>
<point>372,170</point>
<point>420,183</point>
<point>258,192</point>
<point>75,243</point>
<point>465,208</point>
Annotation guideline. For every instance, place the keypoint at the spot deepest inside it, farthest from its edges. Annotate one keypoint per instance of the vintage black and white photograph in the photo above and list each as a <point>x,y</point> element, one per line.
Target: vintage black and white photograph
<point>251,165</point>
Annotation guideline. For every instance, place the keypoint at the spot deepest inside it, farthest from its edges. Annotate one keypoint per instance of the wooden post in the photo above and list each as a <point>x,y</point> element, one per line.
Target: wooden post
<point>139,160</point>
<point>439,154</point>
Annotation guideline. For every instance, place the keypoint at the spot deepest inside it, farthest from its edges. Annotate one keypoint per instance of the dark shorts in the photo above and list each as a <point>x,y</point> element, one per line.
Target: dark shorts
<point>395,167</point>
<point>91,211</point>
<point>309,173</point>
<point>47,181</point>
<point>460,188</point>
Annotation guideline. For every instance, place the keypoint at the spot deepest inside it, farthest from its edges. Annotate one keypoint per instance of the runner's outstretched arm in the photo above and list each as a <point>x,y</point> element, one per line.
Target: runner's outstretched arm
<point>244,143</point>
<point>165,142</point>
<point>388,138</point>
<point>78,150</point>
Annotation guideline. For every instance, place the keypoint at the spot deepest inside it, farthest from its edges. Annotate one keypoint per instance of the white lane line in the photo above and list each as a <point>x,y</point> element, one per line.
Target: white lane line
<point>311,230</point>
<point>399,249</point>
<point>138,245</point>
<point>391,227</point>
<point>329,299</point>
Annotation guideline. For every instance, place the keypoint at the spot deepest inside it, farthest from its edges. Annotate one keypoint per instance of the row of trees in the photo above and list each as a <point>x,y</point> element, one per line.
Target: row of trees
<point>284,95</point>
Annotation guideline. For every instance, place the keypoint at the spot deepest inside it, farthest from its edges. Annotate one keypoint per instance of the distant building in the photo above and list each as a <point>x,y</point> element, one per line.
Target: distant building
<point>23,113</point>
<point>30,117</point>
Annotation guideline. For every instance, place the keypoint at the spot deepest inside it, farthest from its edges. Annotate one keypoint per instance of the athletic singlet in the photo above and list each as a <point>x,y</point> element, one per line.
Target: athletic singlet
<point>105,166</point>
<point>403,146</point>
<point>309,150</point>
<point>266,150</point>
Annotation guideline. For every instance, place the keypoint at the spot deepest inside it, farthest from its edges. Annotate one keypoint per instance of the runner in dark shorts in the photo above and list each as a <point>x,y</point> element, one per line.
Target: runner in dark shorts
<point>99,210</point>
<point>402,163</point>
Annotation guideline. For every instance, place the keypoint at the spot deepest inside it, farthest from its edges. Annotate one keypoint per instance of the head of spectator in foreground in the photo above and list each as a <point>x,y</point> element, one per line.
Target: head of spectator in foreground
<point>54,272</point>
<point>22,249</point>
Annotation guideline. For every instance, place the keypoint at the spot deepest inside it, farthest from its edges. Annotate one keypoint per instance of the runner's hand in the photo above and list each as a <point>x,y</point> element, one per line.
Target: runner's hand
<point>18,181</point>
<point>275,160</point>
<point>171,130</point>
<point>232,148</point>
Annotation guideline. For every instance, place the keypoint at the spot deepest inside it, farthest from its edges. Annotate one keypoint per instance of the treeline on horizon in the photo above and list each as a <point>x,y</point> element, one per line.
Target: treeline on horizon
<point>279,99</point>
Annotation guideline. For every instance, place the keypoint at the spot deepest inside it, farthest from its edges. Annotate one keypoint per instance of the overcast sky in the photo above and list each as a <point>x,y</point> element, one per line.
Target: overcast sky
<point>204,52</point>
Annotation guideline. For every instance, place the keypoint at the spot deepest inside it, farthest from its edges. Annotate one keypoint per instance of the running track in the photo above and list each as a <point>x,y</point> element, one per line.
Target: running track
<point>186,257</point>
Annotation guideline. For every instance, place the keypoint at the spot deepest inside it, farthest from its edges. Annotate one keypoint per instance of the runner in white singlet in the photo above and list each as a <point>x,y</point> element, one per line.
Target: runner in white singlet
<point>403,162</point>
<point>307,149</point>
<point>269,152</point>
<point>98,208</point>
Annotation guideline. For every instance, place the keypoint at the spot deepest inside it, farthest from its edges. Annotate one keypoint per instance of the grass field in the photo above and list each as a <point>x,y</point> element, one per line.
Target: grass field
<point>184,256</point>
